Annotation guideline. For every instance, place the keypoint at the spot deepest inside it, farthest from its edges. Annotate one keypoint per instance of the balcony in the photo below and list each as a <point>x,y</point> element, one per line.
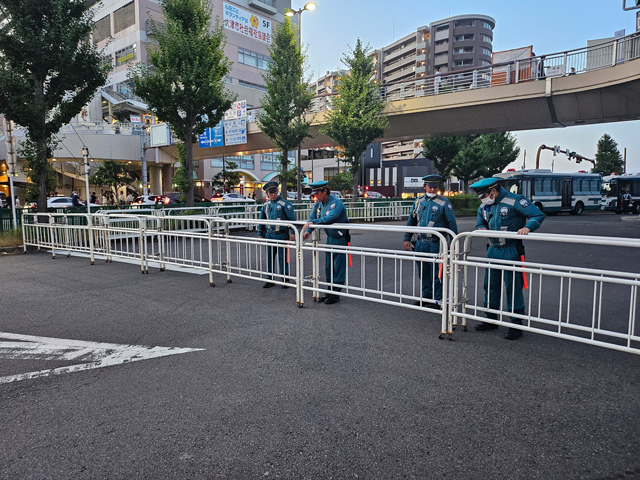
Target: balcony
<point>268,6</point>
<point>421,46</point>
<point>421,69</point>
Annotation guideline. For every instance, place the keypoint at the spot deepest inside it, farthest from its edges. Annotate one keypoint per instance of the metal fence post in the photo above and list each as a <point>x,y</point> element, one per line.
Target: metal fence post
<point>228,250</point>
<point>90,232</point>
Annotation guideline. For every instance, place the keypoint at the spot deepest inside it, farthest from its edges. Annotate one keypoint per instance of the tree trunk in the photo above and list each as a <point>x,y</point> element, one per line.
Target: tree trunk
<point>284,167</point>
<point>188,163</point>
<point>40,137</point>
<point>357,166</point>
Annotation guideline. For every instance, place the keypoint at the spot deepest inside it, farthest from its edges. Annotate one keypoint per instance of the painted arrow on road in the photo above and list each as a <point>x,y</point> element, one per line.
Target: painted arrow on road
<point>92,354</point>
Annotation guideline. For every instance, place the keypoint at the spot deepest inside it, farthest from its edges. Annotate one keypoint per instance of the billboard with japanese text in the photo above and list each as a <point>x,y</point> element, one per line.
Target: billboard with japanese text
<point>247,23</point>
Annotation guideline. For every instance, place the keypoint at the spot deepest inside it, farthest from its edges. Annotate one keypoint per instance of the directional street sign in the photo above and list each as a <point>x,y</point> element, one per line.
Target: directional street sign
<point>91,355</point>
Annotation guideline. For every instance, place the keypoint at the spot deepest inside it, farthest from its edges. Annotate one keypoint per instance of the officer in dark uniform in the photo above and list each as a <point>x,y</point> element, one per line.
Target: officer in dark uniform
<point>327,210</point>
<point>504,211</point>
<point>431,210</point>
<point>276,208</point>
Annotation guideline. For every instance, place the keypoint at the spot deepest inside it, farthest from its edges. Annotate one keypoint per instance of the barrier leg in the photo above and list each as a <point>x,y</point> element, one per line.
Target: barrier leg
<point>228,251</point>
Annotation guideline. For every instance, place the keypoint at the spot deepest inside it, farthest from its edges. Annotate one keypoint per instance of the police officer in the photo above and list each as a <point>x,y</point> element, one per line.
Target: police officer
<point>504,211</point>
<point>327,210</point>
<point>431,210</point>
<point>276,208</point>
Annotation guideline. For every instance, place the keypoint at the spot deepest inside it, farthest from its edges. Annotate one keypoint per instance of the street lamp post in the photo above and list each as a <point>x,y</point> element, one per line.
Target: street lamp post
<point>290,13</point>
<point>85,155</point>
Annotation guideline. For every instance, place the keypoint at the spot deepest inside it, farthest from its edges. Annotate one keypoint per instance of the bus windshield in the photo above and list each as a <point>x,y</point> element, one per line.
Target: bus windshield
<point>609,189</point>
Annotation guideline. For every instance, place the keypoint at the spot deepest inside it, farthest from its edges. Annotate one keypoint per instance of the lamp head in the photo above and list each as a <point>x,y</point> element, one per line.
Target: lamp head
<point>310,6</point>
<point>288,12</point>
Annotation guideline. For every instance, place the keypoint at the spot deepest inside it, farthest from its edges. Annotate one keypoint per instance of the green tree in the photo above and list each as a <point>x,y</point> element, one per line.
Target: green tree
<point>287,97</point>
<point>180,179</point>
<point>227,177</point>
<point>469,163</point>
<point>498,151</point>
<point>184,82</point>
<point>49,69</point>
<point>111,174</point>
<point>442,151</point>
<point>27,150</point>
<point>356,118</point>
<point>342,182</point>
<point>608,158</point>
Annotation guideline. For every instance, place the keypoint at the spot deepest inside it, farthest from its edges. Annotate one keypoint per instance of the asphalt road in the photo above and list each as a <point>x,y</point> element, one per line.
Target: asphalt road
<point>353,390</point>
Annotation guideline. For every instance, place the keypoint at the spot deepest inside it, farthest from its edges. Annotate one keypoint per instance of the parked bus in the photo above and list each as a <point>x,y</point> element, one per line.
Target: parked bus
<point>614,186</point>
<point>556,192</point>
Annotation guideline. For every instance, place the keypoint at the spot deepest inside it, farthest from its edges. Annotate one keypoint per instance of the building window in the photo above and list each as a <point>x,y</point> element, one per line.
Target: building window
<point>486,51</point>
<point>441,54</point>
<point>124,17</point>
<point>442,28</point>
<point>253,59</point>
<point>487,38</point>
<point>255,86</point>
<point>464,38</point>
<point>106,60</point>
<point>269,162</point>
<point>488,26</point>
<point>463,23</point>
<point>125,55</point>
<point>460,50</point>
<point>485,62</point>
<point>442,42</point>
<point>463,63</point>
<point>102,29</point>
<point>242,161</point>
<point>229,80</point>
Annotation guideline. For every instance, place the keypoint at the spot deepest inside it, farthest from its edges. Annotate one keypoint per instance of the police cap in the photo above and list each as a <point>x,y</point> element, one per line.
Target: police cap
<point>315,186</point>
<point>432,180</point>
<point>485,185</point>
<point>270,187</point>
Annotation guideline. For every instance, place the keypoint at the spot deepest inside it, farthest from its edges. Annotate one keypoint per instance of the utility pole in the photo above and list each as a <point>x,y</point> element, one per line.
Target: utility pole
<point>10,142</point>
<point>143,158</point>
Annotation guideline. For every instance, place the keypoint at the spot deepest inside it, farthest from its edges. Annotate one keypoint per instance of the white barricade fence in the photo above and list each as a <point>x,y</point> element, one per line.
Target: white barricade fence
<point>372,274</point>
<point>589,305</point>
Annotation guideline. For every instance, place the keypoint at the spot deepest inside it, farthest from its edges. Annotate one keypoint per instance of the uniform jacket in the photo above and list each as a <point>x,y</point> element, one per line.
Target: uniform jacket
<point>332,211</point>
<point>279,209</point>
<point>510,213</point>
<point>432,212</point>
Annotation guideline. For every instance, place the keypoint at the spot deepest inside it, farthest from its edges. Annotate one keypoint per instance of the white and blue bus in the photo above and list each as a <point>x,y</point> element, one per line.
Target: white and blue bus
<point>614,186</point>
<point>555,192</point>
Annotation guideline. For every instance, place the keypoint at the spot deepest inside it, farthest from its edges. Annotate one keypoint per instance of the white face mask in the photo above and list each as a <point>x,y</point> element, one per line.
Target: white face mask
<point>431,195</point>
<point>487,201</point>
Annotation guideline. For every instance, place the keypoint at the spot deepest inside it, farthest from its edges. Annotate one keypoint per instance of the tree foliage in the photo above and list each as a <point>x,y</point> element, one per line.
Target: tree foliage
<point>227,177</point>
<point>471,156</point>
<point>288,95</point>
<point>342,182</point>
<point>49,69</point>
<point>27,150</point>
<point>180,180</point>
<point>111,174</point>
<point>356,118</point>
<point>608,158</point>
<point>185,86</point>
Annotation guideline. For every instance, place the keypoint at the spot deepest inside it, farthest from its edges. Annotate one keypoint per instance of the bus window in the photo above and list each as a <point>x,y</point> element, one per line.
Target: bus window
<point>556,190</point>
<point>594,186</point>
<point>609,189</point>
<point>546,186</point>
<point>526,189</point>
<point>514,188</point>
<point>537,186</point>
<point>636,188</point>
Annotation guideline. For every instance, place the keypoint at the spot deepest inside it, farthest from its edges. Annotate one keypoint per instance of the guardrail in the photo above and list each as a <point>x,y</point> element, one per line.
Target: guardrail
<point>608,319</point>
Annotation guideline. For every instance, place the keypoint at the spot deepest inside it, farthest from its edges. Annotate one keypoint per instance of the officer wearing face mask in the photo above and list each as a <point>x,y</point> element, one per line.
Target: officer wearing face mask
<point>432,210</point>
<point>504,211</point>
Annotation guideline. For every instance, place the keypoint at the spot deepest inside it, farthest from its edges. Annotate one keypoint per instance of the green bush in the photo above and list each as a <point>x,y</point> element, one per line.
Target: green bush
<point>464,203</point>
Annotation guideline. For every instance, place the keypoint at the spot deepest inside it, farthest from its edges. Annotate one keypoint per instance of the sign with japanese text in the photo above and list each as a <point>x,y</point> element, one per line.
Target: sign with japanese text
<point>247,23</point>
<point>211,137</point>
<point>413,182</point>
<point>235,131</point>
<point>237,110</point>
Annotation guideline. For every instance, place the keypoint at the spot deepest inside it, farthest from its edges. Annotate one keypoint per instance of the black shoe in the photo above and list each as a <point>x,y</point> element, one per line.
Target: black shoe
<point>285,286</point>
<point>513,334</point>
<point>323,298</point>
<point>418,303</point>
<point>483,326</point>
<point>268,285</point>
<point>331,299</point>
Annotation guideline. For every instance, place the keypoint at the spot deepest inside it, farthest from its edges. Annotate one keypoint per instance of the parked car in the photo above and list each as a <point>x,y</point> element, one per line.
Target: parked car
<point>4,203</point>
<point>176,197</point>
<point>145,199</point>
<point>293,196</point>
<point>65,202</point>
<point>336,194</point>
<point>230,197</point>
<point>372,195</point>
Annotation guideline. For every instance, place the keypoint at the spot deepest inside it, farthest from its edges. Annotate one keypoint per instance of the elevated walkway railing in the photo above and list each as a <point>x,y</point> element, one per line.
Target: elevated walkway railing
<point>555,303</point>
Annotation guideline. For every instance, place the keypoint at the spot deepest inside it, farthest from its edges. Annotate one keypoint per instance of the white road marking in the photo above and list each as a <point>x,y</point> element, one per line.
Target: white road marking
<point>98,355</point>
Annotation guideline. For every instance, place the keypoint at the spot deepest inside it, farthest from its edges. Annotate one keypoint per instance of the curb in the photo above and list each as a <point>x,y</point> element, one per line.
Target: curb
<point>16,249</point>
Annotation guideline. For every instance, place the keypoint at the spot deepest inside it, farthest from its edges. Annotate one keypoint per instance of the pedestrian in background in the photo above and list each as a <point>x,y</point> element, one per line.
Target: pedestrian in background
<point>326,211</point>
<point>129,198</point>
<point>431,210</point>
<point>504,211</point>
<point>276,208</point>
<point>18,202</point>
<point>626,202</point>
<point>93,198</point>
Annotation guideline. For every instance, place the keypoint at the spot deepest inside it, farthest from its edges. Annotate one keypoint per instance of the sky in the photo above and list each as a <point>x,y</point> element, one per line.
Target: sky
<point>550,26</point>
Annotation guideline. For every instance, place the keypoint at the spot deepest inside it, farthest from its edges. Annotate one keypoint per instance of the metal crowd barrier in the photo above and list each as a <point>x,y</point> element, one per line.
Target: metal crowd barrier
<point>388,276</point>
<point>551,307</point>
